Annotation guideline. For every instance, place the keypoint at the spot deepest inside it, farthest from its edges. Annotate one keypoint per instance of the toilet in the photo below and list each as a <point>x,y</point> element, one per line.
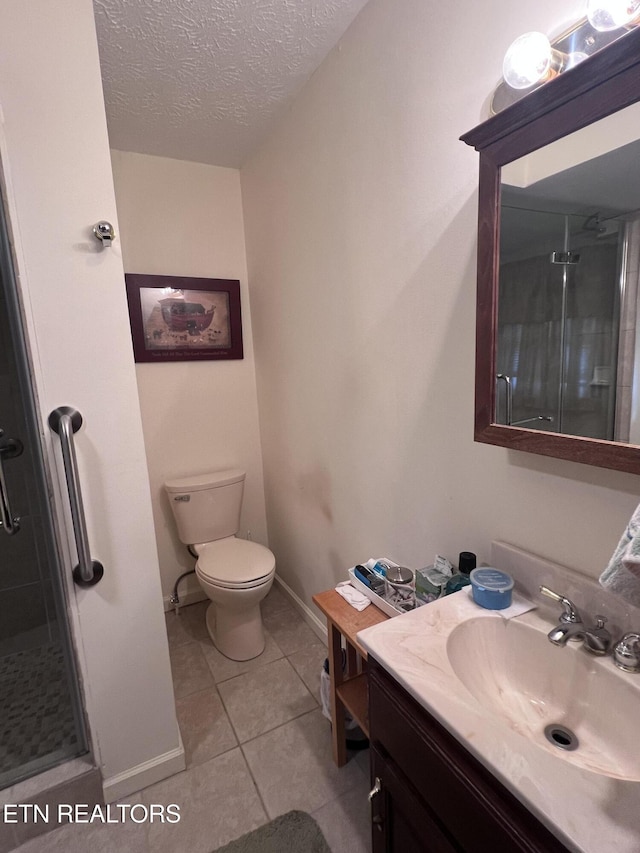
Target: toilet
<point>236,574</point>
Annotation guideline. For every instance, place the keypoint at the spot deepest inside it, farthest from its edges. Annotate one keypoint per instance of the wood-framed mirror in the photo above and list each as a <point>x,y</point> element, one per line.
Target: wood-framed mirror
<point>558,304</point>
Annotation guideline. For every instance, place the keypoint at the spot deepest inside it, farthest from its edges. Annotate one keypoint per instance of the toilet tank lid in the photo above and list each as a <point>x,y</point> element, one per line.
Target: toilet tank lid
<point>197,482</point>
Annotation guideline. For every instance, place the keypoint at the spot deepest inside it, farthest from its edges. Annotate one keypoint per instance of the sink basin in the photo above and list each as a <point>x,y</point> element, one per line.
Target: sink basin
<point>495,684</point>
<point>514,672</point>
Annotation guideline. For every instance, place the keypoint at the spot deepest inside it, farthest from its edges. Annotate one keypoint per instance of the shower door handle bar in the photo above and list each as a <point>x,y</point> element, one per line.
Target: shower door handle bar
<point>534,418</point>
<point>65,421</point>
<point>507,381</point>
<point>9,523</point>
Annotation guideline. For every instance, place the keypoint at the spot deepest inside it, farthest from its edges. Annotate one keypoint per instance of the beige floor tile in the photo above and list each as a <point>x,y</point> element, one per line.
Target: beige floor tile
<point>187,626</point>
<point>223,668</point>
<point>204,726</point>
<point>177,633</point>
<point>275,601</point>
<point>308,662</point>
<point>194,618</point>
<point>346,822</point>
<point>293,766</point>
<point>190,670</point>
<point>218,802</point>
<point>363,760</point>
<point>265,698</point>
<point>97,838</point>
<point>288,629</point>
<point>7,837</point>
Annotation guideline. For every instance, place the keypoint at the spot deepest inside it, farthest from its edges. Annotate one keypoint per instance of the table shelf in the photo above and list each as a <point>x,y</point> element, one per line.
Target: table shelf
<point>348,689</point>
<point>354,695</point>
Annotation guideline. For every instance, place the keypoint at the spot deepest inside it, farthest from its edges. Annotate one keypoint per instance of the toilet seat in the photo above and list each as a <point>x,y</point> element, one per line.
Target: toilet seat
<point>233,563</point>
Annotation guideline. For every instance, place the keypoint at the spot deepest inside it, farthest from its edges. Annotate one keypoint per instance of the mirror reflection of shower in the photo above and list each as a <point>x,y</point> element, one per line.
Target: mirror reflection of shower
<point>566,320</point>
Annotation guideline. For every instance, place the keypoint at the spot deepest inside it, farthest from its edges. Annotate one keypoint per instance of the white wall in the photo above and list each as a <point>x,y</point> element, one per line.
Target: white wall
<point>180,218</point>
<point>360,215</point>
<point>56,160</point>
<point>592,141</point>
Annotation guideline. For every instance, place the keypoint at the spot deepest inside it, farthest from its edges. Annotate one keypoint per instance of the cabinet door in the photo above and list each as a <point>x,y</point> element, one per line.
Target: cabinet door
<point>474,812</point>
<point>400,821</point>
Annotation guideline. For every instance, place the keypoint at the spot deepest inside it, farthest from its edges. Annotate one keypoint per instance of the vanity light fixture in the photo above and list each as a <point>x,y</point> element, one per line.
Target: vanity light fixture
<point>533,60</point>
<point>607,15</point>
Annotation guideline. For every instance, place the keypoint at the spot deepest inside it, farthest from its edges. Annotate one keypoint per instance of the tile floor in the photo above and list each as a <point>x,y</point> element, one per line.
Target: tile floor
<point>256,745</point>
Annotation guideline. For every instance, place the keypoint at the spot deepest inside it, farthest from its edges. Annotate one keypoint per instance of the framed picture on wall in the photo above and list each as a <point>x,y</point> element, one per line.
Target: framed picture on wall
<point>174,318</point>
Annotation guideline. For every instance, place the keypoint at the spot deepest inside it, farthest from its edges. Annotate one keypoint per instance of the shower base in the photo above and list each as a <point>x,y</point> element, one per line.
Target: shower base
<point>37,725</point>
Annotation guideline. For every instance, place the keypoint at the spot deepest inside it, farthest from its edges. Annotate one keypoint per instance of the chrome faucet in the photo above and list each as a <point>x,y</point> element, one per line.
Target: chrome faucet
<point>626,653</point>
<point>571,627</point>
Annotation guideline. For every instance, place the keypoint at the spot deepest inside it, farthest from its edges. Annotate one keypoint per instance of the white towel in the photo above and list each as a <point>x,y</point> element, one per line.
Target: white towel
<point>352,595</point>
<point>622,575</point>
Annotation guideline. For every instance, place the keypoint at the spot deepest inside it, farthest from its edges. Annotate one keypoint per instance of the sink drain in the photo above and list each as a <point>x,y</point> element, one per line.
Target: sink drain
<point>561,736</point>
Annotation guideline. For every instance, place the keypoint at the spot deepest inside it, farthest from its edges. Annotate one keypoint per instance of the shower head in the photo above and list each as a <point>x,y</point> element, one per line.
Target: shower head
<point>594,223</point>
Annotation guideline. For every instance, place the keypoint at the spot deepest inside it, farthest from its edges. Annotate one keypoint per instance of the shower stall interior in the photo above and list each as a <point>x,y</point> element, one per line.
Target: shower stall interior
<point>41,717</point>
<point>560,297</point>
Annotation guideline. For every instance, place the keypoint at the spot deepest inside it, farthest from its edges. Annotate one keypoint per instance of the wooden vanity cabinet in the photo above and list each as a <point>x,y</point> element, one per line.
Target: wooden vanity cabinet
<point>435,797</point>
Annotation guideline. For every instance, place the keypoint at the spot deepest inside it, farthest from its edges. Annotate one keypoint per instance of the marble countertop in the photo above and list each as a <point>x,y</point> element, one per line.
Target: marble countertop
<point>588,811</point>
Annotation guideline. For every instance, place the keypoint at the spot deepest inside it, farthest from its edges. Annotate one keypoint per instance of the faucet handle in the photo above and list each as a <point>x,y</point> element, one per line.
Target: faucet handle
<point>626,653</point>
<point>598,640</point>
<point>571,612</point>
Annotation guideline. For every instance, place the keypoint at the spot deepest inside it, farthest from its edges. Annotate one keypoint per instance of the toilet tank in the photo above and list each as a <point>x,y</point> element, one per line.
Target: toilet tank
<point>206,506</point>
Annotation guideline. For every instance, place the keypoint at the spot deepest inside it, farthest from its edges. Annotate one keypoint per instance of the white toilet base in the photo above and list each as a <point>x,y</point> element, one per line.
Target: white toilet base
<point>234,621</point>
<point>237,634</point>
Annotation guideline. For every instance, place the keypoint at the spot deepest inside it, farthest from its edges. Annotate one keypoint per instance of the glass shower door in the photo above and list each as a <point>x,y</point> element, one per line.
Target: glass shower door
<point>558,322</point>
<point>41,721</point>
<point>530,320</point>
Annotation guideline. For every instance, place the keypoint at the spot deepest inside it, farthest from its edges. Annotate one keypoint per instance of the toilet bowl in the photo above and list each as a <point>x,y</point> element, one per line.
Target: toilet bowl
<point>236,574</point>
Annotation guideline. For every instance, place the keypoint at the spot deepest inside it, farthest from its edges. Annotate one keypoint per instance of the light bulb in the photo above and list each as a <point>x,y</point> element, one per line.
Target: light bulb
<point>530,60</point>
<point>574,59</point>
<point>605,15</point>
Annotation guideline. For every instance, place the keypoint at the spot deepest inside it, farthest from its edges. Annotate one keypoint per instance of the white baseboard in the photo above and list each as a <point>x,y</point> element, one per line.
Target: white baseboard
<point>317,625</point>
<point>148,773</point>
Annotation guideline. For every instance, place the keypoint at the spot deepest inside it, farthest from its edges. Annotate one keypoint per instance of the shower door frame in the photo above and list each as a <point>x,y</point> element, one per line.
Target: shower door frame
<point>506,370</point>
<point>36,436</point>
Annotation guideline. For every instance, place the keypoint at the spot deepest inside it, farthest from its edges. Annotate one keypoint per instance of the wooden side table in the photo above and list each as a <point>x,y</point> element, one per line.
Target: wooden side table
<point>349,687</point>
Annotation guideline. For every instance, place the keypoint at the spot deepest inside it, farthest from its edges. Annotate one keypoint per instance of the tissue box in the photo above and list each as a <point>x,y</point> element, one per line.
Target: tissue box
<point>430,583</point>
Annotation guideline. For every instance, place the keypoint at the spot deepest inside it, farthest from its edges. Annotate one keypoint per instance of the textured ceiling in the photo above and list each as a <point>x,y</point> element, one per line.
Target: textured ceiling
<point>204,79</point>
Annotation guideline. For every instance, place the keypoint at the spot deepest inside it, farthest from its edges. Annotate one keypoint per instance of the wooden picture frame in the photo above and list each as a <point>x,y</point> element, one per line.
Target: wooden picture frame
<point>176,318</point>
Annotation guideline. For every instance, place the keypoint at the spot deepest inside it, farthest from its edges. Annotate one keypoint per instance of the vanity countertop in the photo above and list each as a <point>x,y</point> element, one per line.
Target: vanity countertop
<point>588,811</point>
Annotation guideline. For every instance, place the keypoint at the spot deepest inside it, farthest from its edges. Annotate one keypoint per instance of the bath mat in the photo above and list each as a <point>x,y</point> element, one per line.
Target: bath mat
<point>295,831</point>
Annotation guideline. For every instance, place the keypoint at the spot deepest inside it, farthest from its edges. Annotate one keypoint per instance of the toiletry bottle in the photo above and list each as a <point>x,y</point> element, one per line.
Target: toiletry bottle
<point>466,562</point>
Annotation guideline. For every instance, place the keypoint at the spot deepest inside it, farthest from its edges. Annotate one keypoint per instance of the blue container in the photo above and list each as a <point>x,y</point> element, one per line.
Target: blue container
<point>491,588</point>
